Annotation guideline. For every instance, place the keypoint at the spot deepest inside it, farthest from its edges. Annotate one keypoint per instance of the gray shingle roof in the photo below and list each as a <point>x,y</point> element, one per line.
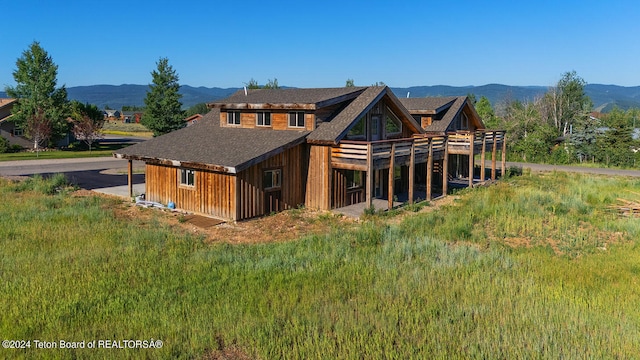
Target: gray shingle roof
<point>207,144</point>
<point>318,97</point>
<point>430,104</point>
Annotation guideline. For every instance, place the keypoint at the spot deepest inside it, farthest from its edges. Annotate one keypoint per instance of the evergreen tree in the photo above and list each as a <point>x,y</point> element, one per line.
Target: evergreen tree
<point>163,111</point>
<point>41,109</point>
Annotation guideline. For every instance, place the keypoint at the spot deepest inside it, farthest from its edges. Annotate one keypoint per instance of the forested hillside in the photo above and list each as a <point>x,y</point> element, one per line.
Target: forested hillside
<point>604,97</point>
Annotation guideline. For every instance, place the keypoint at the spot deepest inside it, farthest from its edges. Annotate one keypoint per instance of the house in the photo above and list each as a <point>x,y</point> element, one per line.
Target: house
<point>267,150</point>
<point>193,119</point>
<point>131,116</point>
<point>111,115</point>
<point>8,130</point>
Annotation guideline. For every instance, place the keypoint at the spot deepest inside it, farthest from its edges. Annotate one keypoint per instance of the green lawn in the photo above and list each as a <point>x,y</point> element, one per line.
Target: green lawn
<point>438,284</point>
<point>97,151</point>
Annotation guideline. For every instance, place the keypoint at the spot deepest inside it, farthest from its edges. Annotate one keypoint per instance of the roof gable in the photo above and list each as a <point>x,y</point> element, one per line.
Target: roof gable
<point>335,130</point>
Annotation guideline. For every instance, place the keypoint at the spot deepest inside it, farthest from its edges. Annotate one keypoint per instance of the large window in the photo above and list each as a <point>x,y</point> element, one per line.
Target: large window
<point>296,119</point>
<point>263,118</point>
<point>233,117</point>
<point>187,177</point>
<point>354,179</point>
<point>392,125</point>
<point>464,121</point>
<point>358,130</point>
<point>272,179</point>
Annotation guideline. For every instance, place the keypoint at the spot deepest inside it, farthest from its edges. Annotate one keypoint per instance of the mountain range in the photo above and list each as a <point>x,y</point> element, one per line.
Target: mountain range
<point>604,97</point>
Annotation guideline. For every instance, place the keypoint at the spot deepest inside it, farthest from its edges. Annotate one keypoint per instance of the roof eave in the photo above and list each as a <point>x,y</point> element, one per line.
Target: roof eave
<point>178,163</point>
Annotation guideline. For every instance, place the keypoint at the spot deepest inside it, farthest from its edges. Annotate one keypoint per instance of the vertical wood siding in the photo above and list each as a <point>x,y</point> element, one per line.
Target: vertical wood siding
<point>213,194</point>
<point>294,178</point>
<point>319,178</point>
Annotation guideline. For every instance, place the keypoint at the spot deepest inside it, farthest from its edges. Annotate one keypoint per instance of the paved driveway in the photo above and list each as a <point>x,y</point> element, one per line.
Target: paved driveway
<point>87,173</point>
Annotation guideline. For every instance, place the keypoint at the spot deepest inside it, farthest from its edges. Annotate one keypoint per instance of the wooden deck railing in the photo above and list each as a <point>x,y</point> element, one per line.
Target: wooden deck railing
<point>464,137</point>
<point>354,154</point>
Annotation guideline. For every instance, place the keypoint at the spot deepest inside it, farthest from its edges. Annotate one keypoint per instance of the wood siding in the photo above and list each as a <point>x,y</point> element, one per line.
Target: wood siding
<point>251,193</point>
<point>318,195</point>
<point>212,194</point>
<point>279,120</point>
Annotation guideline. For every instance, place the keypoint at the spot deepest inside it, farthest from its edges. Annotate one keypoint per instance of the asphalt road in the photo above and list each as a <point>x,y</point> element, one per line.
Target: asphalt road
<point>87,173</point>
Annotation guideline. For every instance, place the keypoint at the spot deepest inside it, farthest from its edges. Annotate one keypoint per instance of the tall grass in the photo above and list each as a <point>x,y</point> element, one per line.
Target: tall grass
<point>435,286</point>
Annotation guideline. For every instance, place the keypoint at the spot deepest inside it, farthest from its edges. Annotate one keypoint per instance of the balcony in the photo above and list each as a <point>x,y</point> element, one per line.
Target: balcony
<point>357,155</point>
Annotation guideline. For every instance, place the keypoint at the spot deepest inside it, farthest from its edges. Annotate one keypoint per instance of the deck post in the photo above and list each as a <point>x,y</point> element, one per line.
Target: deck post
<point>494,154</point>
<point>429,169</point>
<point>130,177</point>
<point>445,167</point>
<point>412,170</point>
<point>391,176</point>
<point>482,156</point>
<point>370,177</point>
<point>471,158</point>
<point>504,155</point>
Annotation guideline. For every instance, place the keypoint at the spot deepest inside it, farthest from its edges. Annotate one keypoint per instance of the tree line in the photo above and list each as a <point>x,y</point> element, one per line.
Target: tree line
<point>560,127</point>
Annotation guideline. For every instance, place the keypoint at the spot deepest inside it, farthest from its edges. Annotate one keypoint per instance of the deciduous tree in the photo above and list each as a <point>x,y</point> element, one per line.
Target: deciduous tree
<point>87,122</point>
<point>42,108</point>
<point>163,109</point>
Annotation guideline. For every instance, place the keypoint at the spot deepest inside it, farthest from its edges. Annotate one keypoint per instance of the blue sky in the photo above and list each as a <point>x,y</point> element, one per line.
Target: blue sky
<point>323,43</point>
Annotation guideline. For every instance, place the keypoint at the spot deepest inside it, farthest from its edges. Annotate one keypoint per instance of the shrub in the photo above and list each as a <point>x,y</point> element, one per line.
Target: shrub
<point>4,145</point>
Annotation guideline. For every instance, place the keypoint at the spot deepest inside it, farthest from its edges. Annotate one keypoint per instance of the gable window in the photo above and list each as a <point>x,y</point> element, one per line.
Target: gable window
<point>263,118</point>
<point>296,119</point>
<point>464,121</point>
<point>358,130</point>
<point>392,125</point>
<point>18,132</point>
<point>272,179</point>
<point>187,177</point>
<point>233,117</point>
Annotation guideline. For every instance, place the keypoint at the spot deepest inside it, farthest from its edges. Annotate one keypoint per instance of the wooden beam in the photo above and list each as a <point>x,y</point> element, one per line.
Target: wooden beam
<point>494,153</point>
<point>429,169</point>
<point>412,170</point>
<point>370,177</point>
<point>471,158</point>
<point>445,167</point>
<point>130,177</point>
<point>391,176</point>
<point>482,156</point>
<point>504,155</point>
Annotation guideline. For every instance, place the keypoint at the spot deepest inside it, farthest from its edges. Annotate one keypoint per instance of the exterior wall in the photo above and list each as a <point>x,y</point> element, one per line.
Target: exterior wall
<point>319,178</point>
<point>252,197</point>
<point>7,131</point>
<point>279,120</point>
<point>213,194</point>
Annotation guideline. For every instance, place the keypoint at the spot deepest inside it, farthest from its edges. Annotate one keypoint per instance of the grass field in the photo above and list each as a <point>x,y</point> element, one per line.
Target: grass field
<point>126,129</point>
<point>97,151</point>
<point>537,266</point>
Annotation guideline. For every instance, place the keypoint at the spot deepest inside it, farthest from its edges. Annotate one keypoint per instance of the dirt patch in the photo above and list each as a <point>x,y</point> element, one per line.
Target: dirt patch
<point>284,226</point>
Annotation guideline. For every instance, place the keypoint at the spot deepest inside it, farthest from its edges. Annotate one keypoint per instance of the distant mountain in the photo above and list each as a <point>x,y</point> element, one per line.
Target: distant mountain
<point>604,97</point>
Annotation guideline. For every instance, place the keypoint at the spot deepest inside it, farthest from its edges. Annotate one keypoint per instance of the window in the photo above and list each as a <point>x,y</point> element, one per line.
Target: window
<point>18,132</point>
<point>296,119</point>
<point>187,177</point>
<point>464,121</point>
<point>263,118</point>
<point>358,129</point>
<point>392,125</point>
<point>233,117</point>
<point>271,179</point>
<point>354,179</point>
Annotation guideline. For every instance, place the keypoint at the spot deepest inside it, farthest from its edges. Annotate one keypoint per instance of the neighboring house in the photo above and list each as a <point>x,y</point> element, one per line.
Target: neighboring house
<point>131,116</point>
<point>193,119</point>
<point>267,150</point>
<point>8,129</point>
<point>111,115</point>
